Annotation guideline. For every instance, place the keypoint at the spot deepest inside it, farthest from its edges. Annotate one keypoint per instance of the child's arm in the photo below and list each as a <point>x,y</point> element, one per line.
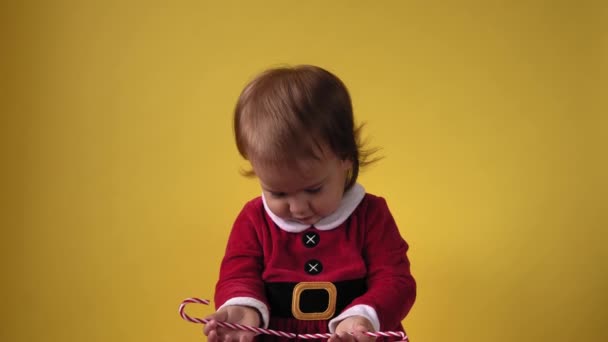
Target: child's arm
<point>240,282</point>
<point>391,288</point>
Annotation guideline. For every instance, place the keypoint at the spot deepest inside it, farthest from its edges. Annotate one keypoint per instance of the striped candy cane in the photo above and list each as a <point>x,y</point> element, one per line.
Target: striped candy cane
<point>237,326</point>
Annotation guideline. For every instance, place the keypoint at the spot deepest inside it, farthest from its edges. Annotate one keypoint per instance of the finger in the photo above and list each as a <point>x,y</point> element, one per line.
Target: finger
<point>218,315</point>
<point>346,337</point>
<point>209,327</point>
<point>214,330</point>
<point>212,337</point>
<point>334,338</point>
<point>361,336</point>
<point>246,337</point>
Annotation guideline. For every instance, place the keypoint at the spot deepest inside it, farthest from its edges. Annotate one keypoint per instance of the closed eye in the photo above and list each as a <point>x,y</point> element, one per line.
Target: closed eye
<point>314,190</point>
<point>277,194</point>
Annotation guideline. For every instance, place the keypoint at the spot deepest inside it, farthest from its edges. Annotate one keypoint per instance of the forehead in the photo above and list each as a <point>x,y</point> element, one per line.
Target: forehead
<point>293,176</point>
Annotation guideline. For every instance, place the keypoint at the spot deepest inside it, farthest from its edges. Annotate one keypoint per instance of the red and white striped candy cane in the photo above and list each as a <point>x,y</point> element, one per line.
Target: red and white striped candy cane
<point>237,326</point>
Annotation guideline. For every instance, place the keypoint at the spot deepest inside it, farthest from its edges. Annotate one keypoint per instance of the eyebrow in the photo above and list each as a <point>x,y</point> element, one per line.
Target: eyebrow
<point>313,186</point>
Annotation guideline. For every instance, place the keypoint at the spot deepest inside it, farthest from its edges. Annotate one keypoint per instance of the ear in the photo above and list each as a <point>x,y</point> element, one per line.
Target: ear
<point>346,164</point>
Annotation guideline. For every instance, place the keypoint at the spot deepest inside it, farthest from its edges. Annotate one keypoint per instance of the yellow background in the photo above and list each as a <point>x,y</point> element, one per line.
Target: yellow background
<point>121,177</point>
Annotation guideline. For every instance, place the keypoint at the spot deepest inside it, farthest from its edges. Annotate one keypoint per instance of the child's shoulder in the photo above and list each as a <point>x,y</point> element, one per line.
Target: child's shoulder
<point>373,200</point>
<point>252,211</point>
<point>371,205</point>
<point>254,204</point>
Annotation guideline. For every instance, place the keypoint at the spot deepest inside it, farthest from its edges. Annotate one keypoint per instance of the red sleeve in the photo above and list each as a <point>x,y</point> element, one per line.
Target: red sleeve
<point>391,287</point>
<point>241,268</point>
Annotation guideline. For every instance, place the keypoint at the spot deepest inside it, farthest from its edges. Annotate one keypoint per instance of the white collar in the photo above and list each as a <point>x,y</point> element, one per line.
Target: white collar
<point>349,203</point>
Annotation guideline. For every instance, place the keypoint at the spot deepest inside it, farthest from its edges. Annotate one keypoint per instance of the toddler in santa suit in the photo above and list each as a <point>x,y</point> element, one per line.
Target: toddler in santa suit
<point>315,253</point>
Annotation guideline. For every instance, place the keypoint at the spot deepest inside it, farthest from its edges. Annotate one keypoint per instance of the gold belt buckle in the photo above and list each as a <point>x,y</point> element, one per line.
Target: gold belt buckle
<point>310,316</point>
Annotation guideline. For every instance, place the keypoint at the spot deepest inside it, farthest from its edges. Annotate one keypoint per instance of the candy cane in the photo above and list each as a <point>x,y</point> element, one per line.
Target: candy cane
<point>237,326</point>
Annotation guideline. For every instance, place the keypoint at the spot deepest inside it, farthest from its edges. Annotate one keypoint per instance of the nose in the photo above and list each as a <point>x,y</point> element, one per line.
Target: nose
<point>298,207</point>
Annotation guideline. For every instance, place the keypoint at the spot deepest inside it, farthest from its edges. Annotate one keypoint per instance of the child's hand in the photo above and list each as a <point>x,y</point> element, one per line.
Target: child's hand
<point>356,325</point>
<point>233,314</point>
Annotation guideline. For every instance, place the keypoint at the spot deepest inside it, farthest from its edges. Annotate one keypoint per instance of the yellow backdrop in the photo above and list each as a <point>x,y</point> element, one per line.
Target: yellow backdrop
<point>121,176</point>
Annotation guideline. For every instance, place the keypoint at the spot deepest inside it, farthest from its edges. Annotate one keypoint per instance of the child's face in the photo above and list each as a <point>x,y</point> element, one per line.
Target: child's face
<point>305,193</point>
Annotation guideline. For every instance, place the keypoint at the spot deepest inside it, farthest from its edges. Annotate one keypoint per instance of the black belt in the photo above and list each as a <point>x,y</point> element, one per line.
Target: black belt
<point>312,300</point>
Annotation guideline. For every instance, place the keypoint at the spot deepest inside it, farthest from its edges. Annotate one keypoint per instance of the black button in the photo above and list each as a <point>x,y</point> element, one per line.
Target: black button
<point>310,239</point>
<point>313,267</point>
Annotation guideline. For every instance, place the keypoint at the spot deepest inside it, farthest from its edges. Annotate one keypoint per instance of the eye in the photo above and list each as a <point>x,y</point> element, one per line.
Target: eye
<point>314,190</point>
<point>277,194</point>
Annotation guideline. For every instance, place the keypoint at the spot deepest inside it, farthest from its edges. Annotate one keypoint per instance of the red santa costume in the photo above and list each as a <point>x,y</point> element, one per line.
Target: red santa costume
<point>306,279</point>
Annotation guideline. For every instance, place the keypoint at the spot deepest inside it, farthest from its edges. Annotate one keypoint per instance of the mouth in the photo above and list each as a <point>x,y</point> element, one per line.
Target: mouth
<point>304,220</point>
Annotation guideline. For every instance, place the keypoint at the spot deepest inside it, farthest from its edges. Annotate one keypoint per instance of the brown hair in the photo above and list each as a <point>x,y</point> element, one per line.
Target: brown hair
<point>288,113</point>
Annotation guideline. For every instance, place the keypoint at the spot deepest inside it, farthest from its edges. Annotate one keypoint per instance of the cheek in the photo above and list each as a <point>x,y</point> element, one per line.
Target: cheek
<point>278,207</point>
<point>326,205</point>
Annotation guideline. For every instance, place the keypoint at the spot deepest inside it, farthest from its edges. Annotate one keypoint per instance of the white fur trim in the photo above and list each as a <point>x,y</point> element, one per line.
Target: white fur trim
<point>251,302</point>
<point>349,203</point>
<point>357,310</point>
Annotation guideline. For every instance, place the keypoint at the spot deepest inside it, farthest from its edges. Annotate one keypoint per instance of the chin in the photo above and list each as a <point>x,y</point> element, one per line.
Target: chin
<point>308,221</point>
